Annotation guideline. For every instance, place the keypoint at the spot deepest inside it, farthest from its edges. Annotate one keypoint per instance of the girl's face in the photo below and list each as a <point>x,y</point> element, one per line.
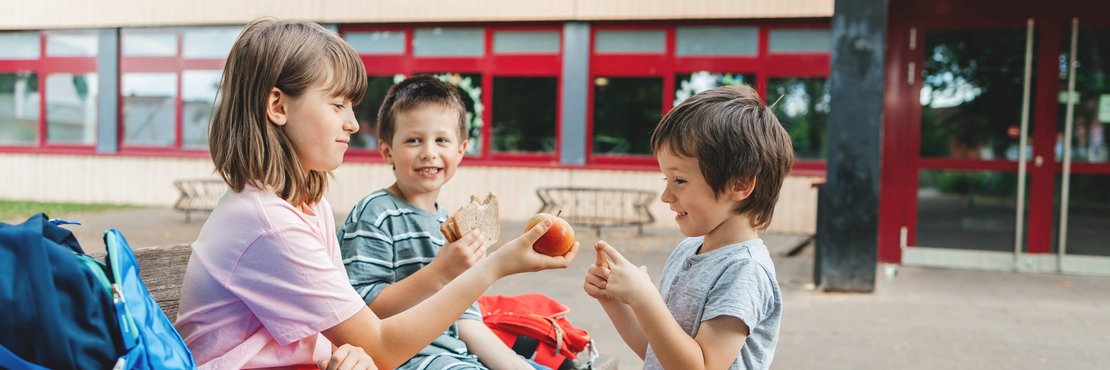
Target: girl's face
<point>697,210</point>
<point>320,127</point>
<point>426,148</point>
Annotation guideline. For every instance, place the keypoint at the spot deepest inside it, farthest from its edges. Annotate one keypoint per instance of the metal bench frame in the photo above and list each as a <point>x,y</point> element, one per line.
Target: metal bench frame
<point>599,207</point>
<point>198,195</point>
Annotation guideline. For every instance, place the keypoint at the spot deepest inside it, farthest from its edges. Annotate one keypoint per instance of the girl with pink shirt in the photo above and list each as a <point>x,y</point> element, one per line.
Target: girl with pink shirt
<point>265,286</point>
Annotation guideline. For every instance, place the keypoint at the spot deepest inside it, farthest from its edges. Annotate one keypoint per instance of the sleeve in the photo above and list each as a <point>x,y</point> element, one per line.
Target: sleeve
<point>743,291</point>
<point>368,258</point>
<point>472,313</point>
<point>289,281</point>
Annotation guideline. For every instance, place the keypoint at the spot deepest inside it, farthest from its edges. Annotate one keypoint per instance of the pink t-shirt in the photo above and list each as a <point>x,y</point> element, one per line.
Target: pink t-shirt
<point>263,281</point>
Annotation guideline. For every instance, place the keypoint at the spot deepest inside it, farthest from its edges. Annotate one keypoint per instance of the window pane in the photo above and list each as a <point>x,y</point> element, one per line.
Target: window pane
<point>367,112</point>
<point>377,42</point>
<point>971,94</point>
<point>19,45</point>
<point>966,209</point>
<point>19,109</point>
<point>71,108</point>
<point>524,111</point>
<point>470,88</point>
<point>686,85</point>
<point>71,44</point>
<point>526,42</point>
<point>1091,115</point>
<point>1088,215</point>
<point>800,41</point>
<point>804,111</point>
<point>626,110</point>
<point>717,41</point>
<point>148,108</point>
<point>653,41</point>
<point>209,42</point>
<point>449,42</point>
<point>149,43</point>
<point>198,96</point>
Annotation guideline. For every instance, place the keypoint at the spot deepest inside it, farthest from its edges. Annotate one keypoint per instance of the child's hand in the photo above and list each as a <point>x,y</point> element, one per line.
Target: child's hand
<point>597,276</point>
<point>626,282</point>
<point>454,258</point>
<point>517,255</point>
<point>348,357</point>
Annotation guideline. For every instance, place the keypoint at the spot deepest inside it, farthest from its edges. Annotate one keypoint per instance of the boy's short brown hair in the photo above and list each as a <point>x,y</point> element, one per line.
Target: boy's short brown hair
<point>292,56</point>
<point>415,92</point>
<point>735,137</point>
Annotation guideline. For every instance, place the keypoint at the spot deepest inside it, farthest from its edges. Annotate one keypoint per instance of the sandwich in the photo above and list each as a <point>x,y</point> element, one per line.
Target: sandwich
<point>478,214</point>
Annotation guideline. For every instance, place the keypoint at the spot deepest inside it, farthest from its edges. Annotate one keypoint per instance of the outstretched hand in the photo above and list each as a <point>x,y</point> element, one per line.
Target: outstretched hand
<point>626,282</point>
<point>517,255</point>
<point>460,255</point>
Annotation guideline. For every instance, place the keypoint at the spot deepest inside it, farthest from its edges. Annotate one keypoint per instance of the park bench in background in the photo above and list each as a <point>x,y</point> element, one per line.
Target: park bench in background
<point>599,207</point>
<point>198,195</point>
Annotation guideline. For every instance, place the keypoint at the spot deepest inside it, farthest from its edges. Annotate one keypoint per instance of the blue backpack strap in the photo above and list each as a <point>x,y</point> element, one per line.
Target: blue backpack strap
<point>9,360</point>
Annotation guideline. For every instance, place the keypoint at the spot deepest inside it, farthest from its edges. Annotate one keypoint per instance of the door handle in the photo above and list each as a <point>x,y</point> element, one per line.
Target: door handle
<point>1038,160</point>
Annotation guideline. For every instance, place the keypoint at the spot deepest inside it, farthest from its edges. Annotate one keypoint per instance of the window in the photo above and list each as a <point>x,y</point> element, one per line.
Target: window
<point>509,86</point>
<point>640,72</point>
<point>19,108</point>
<point>803,108</point>
<point>198,97</point>
<point>522,122</point>
<point>148,108</point>
<point>626,110</point>
<point>367,112</point>
<point>169,81</point>
<point>71,108</point>
<point>48,89</point>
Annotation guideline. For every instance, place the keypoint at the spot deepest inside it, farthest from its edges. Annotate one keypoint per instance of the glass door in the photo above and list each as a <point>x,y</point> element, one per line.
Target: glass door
<point>1082,152</point>
<point>975,127</point>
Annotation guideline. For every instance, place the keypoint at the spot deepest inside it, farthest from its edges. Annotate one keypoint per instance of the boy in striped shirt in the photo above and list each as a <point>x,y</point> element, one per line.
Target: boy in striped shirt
<point>392,248</point>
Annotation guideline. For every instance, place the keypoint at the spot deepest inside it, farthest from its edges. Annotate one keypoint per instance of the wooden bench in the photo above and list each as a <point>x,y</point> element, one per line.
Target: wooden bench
<point>599,207</point>
<point>198,195</point>
<point>162,269</point>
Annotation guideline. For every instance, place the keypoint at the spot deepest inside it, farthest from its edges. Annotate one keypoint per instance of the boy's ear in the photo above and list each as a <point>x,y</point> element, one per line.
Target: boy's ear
<point>386,151</point>
<point>462,146</point>
<point>275,106</point>
<point>739,190</point>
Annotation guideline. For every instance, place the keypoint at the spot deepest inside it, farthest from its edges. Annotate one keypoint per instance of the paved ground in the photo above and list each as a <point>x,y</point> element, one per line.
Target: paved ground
<point>916,319</point>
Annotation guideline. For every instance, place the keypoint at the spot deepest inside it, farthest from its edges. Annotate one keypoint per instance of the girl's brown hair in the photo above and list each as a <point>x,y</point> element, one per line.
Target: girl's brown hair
<point>291,56</point>
<point>735,137</point>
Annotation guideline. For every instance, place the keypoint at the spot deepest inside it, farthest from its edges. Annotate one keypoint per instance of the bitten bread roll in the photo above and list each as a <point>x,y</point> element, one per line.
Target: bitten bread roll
<point>482,215</point>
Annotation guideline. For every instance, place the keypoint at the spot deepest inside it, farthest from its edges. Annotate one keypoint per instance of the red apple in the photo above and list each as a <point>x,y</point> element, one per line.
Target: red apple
<point>558,239</point>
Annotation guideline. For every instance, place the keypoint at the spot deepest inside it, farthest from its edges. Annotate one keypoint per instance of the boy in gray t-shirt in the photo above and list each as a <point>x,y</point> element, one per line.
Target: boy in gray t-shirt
<point>725,156</point>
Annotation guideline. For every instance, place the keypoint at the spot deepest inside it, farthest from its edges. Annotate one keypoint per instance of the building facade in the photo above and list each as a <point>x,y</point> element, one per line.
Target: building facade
<point>994,150</point>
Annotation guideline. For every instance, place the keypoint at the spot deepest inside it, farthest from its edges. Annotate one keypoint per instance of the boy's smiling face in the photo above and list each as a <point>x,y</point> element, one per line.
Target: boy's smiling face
<point>698,211</point>
<point>425,150</point>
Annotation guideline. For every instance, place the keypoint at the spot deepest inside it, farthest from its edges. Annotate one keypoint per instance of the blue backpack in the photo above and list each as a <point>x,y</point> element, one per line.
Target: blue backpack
<point>63,309</point>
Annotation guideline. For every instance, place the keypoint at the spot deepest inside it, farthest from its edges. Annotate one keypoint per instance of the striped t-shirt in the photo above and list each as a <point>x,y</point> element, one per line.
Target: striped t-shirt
<point>386,239</point>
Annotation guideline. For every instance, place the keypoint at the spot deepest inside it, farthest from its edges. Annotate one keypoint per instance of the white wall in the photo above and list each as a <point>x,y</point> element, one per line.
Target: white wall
<point>149,181</point>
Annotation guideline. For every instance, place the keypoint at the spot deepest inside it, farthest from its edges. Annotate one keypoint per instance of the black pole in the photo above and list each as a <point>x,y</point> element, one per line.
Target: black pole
<point>848,204</point>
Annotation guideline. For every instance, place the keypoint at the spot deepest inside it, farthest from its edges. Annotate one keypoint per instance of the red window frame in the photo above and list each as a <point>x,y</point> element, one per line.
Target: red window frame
<point>176,64</point>
<point>764,65</point>
<point>42,67</point>
<point>488,65</point>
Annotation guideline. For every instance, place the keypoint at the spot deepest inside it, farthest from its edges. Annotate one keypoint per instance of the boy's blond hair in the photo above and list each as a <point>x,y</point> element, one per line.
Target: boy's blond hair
<point>735,137</point>
<point>292,56</point>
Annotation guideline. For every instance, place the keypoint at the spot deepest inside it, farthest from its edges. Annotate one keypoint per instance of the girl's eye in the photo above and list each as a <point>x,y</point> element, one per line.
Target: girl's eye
<point>443,140</point>
<point>679,181</point>
<point>339,106</point>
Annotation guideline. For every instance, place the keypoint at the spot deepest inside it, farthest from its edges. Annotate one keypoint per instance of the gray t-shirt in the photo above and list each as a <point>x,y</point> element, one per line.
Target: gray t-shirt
<point>384,240</point>
<point>736,280</point>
